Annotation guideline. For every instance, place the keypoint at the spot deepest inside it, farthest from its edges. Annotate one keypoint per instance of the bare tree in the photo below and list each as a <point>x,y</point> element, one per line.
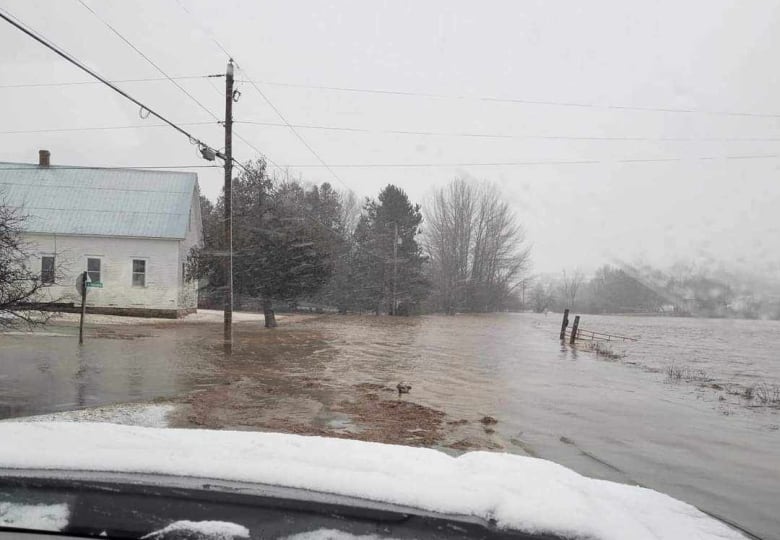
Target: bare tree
<point>448,240</point>
<point>19,286</point>
<point>570,286</point>
<point>476,245</point>
<point>542,297</point>
<point>351,207</point>
<point>500,254</point>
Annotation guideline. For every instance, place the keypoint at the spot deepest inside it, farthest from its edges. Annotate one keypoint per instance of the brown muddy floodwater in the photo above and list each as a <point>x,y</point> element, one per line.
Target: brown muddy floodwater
<point>698,438</point>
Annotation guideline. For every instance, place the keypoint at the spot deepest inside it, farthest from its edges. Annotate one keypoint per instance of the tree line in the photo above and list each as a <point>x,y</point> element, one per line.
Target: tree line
<point>296,243</point>
<point>681,290</point>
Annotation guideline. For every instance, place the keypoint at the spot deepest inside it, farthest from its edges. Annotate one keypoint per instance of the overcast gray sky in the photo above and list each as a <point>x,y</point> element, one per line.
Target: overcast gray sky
<point>705,56</point>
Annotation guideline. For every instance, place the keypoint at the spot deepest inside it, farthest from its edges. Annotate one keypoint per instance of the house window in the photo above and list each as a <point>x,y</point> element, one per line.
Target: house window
<point>47,269</point>
<point>93,269</point>
<point>139,273</point>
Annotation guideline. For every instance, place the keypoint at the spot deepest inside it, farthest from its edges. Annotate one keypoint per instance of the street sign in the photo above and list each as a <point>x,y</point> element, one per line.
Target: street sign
<point>95,284</point>
<point>80,282</point>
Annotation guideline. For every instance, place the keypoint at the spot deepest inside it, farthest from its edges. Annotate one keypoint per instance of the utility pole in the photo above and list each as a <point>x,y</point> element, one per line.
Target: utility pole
<point>523,300</point>
<point>395,264</point>
<point>229,207</point>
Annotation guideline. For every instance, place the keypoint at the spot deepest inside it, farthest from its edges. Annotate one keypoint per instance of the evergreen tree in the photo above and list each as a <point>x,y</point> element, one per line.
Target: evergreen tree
<point>389,256</point>
<point>282,240</point>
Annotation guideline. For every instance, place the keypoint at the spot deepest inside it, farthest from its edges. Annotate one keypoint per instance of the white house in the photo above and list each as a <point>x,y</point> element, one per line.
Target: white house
<point>130,229</point>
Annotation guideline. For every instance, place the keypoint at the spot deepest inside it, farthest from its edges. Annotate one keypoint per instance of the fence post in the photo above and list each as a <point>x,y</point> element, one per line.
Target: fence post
<point>574,329</point>
<point>565,323</point>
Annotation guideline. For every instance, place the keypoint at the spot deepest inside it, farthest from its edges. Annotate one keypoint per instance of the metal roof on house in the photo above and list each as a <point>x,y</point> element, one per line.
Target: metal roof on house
<point>100,202</point>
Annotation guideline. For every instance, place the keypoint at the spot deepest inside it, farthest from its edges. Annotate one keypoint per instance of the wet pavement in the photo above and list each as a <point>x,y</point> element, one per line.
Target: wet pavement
<point>614,419</point>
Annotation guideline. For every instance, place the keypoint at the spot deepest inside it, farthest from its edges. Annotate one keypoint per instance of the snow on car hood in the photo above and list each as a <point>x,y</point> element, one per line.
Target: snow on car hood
<point>41,517</point>
<point>523,493</point>
<point>217,530</point>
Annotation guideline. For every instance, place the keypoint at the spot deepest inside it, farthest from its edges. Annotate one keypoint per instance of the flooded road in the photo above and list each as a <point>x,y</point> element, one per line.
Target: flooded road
<point>48,371</point>
<point>615,419</point>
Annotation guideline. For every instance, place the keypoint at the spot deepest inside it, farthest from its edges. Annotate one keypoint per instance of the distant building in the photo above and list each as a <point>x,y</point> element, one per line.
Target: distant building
<point>130,229</point>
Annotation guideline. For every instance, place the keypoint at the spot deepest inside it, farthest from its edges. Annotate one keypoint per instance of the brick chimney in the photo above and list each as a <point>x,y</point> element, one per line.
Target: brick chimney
<point>44,158</point>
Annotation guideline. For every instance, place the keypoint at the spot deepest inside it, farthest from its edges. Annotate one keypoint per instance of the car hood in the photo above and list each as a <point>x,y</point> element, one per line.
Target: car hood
<point>515,492</point>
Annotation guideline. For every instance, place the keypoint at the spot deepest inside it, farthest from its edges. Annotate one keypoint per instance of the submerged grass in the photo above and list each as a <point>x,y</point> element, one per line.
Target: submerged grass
<point>763,394</point>
<point>604,350</point>
<point>675,373</point>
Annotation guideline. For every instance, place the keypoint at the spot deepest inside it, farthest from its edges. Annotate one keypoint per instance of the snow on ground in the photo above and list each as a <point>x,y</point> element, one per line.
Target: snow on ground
<point>40,517</point>
<point>215,530</point>
<point>518,492</point>
<point>129,414</point>
<point>37,333</point>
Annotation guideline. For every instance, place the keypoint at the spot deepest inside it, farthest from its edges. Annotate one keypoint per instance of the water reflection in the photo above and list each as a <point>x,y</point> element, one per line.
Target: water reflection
<point>568,352</point>
<point>80,380</point>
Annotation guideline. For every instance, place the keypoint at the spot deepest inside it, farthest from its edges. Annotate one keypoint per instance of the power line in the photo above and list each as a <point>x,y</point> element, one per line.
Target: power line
<point>406,132</point>
<point>256,149</point>
<point>114,81</point>
<point>169,78</point>
<point>634,108</point>
<point>306,214</point>
<point>507,136</point>
<point>537,163</point>
<point>426,165</point>
<point>148,60</point>
<point>268,101</point>
<point>297,134</point>
<point>519,101</point>
<point>240,137</point>
<point>26,30</point>
<point>203,29</point>
<point>418,94</point>
<point>315,220</point>
<point>78,64</point>
<point>99,128</point>
<point>108,83</point>
<point>128,167</point>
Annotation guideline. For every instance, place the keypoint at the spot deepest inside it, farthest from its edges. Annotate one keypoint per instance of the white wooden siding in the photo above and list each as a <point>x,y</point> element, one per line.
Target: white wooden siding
<point>163,270</point>
<point>188,289</point>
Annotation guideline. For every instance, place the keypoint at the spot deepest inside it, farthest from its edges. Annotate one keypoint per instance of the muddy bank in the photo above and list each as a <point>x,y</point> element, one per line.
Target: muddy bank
<point>363,411</point>
<point>295,379</point>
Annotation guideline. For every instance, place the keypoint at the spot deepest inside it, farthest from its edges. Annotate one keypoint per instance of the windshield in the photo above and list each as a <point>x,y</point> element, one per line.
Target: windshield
<point>538,229</point>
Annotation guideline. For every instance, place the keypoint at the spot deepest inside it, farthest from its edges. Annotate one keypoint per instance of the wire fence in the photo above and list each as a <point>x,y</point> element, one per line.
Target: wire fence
<point>584,334</point>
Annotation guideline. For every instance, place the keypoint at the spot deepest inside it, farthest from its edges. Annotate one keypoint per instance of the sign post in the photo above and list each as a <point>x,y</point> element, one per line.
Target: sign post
<point>81,285</point>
